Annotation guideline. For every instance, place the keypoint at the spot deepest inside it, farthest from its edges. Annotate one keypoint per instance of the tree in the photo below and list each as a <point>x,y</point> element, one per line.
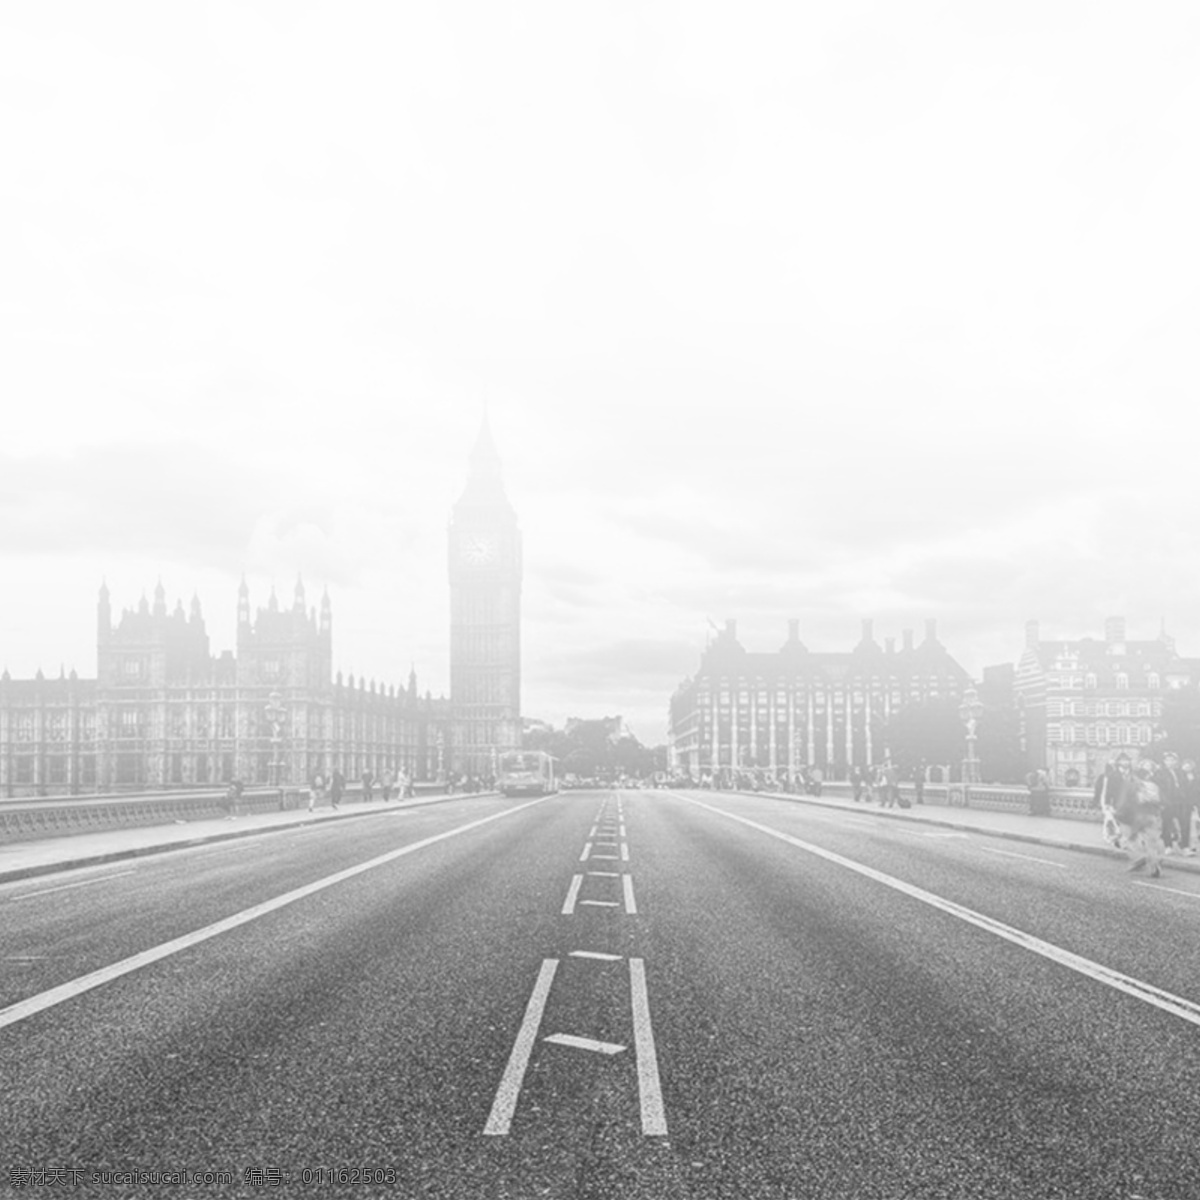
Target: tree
<point>932,731</point>
<point>1179,727</point>
<point>1000,756</point>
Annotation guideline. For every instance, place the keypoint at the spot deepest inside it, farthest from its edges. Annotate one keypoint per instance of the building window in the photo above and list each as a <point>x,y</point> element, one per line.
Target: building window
<point>132,669</point>
<point>23,727</point>
<point>130,726</point>
<point>23,768</point>
<point>1122,681</point>
<point>1153,682</point>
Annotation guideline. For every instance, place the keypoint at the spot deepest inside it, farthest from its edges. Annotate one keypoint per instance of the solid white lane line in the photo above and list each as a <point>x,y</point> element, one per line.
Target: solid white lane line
<point>600,903</point>
<point>587,849</point>
<point>1027,857</point>
<point>654,1120</point>
<point>630,903</point>
<point>595,954</point>
<point>66,886</point>
<point>610,874</point>
<point>613,857</point>
<point>1178,1006</point>
<point>572,893</point>
<point>1162,887</point>
<point>624,851</point>
<point>582,1043</point>
<point>35,1004</point>
<point>505,1103</point>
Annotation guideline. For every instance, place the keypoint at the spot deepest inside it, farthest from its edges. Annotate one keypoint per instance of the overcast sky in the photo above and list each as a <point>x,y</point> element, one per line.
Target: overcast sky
<point>811,310</point>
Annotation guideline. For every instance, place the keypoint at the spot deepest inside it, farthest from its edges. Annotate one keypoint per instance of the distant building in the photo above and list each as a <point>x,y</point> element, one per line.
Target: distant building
<point>792,709</point>
<point>165,712</point>
<point>1081,702</point>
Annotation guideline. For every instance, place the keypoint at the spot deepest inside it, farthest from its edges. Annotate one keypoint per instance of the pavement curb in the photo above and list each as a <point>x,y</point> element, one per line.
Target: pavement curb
<point>15,874</point>
<point>1188,866</point>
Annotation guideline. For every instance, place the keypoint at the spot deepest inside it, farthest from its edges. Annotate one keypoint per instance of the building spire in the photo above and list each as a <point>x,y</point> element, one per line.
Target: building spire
<point>485,483</point>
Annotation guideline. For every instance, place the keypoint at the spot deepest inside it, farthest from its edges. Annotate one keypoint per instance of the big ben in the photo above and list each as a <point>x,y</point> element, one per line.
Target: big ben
<point>485,617</point>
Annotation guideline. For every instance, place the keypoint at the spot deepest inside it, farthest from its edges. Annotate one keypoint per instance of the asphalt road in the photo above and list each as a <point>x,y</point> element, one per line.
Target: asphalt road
<point>643,994</point>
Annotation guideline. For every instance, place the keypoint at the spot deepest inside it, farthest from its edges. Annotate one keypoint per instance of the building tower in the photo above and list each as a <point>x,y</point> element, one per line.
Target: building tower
<point>485,617</point>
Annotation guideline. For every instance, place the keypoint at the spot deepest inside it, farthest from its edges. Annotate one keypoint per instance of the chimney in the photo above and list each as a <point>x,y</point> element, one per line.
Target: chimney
<point>793,631</point>
<point>908,639</point>
<point>1031,635</point>
<point>1114,630</point>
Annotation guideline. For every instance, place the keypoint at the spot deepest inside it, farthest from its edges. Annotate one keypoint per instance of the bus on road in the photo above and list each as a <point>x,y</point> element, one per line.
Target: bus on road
<point>526,773</point>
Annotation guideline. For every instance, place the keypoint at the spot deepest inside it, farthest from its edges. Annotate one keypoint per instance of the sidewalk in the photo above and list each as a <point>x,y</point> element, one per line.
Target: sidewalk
<point>23,860</point>
<point>1068,834</point>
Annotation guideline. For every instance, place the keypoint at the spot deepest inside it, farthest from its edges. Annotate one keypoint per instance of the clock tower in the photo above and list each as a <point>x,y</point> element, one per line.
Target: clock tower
<point>485,617</point>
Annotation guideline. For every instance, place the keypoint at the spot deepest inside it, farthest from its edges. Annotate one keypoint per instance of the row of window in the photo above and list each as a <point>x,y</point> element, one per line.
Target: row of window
<point>1099,708</point>
<point>1101,733</point>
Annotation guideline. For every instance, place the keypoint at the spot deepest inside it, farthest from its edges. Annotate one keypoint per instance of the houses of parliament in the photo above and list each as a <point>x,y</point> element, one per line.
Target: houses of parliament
<point>165,712</point>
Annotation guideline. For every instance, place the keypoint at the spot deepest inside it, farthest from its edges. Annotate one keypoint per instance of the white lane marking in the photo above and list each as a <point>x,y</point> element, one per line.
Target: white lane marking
<point>622,828</point>
<point>606,843</point>
<point>592,831</point>
<point>1162,887</point>
<point>1027,857</point>
<point>582,1043</point>
<point>630,903</point>
<point>43,1000</point>
<point>600,903</point>
<point>572,893</point>
<point>66,886</point>
<point>624,851</point>
<point>1178,1006</point>
<point>654,1120</point>
<point>596,954</point>
<point>609,874</point>
<point>505,1103</point>
<point>610,856</point>
<point>587,849</point>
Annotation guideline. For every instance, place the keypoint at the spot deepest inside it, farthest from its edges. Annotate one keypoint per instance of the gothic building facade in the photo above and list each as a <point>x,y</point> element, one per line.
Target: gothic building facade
<point>796,709</point>
<point>165,712</point>
<point>485,618</point>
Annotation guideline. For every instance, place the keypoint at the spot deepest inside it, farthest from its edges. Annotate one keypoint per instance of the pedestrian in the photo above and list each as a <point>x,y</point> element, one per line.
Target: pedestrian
<point>385,785</point>
<point>316,790</point>
<point>857,783</point>
<point>919,781</point>
<point>1189,805</point>
<point>233,796</point>
<point>1177,830</point>
<point>1146,844</point>
<point>891,784</point>
<point>368,785</point>
<point>337,785</point>
<point>1038,783</point>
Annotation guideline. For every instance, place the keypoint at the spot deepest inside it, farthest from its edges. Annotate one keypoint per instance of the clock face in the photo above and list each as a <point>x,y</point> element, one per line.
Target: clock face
<point>478,550</point>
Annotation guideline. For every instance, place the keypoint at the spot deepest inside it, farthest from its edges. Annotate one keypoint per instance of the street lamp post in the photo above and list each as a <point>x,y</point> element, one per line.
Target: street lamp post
<point>970,711</point>
<point>276,714</point>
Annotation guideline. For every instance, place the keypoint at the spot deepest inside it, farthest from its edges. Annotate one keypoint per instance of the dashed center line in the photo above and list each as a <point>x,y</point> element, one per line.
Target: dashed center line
<point>572,892</point>
<point>630,903</point>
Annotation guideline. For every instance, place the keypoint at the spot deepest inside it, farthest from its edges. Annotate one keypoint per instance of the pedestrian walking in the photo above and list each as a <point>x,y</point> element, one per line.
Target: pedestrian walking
<point>385,785</point>
<point>1189,803</point>
<point>1177,830</point>
<point>337,785</point>
<point>233,796</point>
<point>1145,841</point>
<point>891,784</point>
<point>316,790</point>
<point>368,786</point>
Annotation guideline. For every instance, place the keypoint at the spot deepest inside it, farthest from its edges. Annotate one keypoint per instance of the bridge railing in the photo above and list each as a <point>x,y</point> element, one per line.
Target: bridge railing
<point>1072,803</point>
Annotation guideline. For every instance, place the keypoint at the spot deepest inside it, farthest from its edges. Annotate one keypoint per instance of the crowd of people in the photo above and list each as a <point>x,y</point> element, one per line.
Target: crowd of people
<point>1150,809</point>
<point>333,787</point>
